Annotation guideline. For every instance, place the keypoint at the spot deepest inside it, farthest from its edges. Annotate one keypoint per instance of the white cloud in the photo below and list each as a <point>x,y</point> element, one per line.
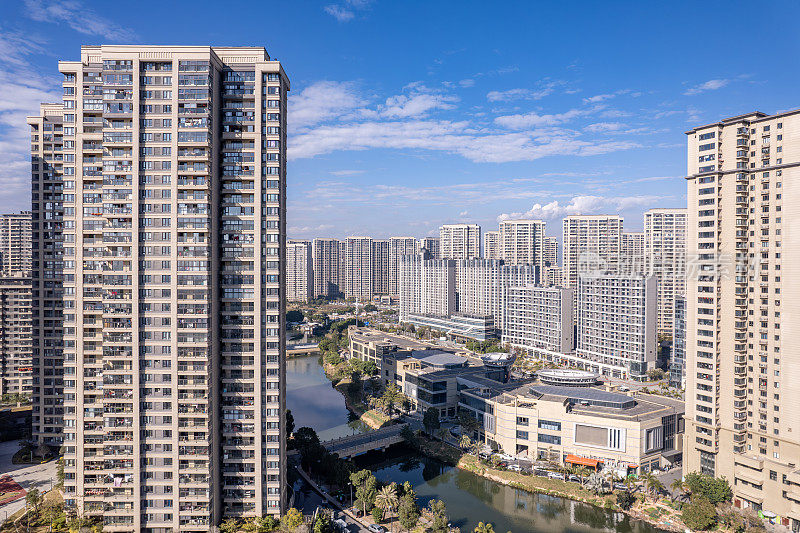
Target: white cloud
<point>345,12</point>
<point>78,17</point>
<point>417,104</point>
<point>544,88</point>
<point>322,101</point>
<point>339,13</point>
<point>603,127</point>
<point>582,205</point>
<point>467,82</point>
<point>710,85</point>
<point>347,172</point>
<point>535,120</point>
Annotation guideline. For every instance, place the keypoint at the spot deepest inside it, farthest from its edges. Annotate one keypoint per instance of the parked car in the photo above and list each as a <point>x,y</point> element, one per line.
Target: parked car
<point>542,473</point>
<point>505,457</point>
<point>556,475</point>
<point>515,468</point>
<point>376,528</point>
<point>620,486</point>
<point>340,525</point>
<point>573,477</point>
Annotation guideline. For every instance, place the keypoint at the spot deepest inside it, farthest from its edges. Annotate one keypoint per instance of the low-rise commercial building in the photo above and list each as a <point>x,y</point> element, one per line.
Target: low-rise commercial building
<point>575,422</point>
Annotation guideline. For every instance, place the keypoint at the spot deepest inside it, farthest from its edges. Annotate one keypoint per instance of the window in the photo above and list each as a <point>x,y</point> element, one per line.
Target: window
<point>549,439</point>
<point>550,426</point>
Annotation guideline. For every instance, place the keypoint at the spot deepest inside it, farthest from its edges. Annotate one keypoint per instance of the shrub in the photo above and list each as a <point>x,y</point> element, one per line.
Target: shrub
<point>699,514</point>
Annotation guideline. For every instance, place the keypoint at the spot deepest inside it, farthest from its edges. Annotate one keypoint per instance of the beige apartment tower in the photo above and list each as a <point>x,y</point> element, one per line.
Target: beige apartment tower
<point>460,241</point>
<point>173,268</point>
<point>665,258</point>
<point>591,243</point>
<point>299,271</point>
<point>491,245</point>
<point>743,289</point>
<point>522,242</point>
<point>358,268</point>
<point>15,244</point>
<point>399,247</point>
<point>632,260</point>
<point>326,268</point>
<point>16,371</point>
<point>47,266</point>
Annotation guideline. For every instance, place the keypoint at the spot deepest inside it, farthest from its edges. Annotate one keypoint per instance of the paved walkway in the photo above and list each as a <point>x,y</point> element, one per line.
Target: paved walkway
<point>42,476</point>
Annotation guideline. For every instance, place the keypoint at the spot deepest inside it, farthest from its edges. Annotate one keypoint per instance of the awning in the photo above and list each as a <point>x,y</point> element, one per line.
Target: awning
<point>585,461</point>
<point>633,466</point>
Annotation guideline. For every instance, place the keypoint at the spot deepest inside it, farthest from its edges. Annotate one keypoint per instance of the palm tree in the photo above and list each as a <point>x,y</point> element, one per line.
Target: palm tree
<point>677,489</point>
<point>484,528</point>
<point>386,499</point>
<point>582,472</point>
<point>465,442</point>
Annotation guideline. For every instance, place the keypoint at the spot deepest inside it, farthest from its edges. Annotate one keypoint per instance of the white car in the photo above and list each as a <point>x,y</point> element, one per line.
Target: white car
<point>505,457</point>
<point>375,528</point>
<point>556,475</point>
<point>514,468</point>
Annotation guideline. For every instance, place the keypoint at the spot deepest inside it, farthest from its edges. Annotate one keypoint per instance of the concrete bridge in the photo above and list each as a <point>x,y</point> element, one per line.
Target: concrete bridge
<point>379,439</point>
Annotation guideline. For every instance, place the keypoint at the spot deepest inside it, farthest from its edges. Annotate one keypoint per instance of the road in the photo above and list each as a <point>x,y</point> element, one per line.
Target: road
<point>307,500</point>
<point>40,477</point>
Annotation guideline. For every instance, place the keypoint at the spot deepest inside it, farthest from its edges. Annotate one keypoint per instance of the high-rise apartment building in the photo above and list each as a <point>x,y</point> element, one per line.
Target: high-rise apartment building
<point>326,268</point>
<point>15,244</point>
<point>460,241</point>
<point>552,277</point>
<point>426,287</point>
<point>665,258</point>
<point>632,260</point>
<point>539,317</point>
<point>358,267</point>
<point>481,285</point>
<point>616,321</point>
<point>591,243</point>
<point>380,266</point>
<point>522,242</point>
<point>491,245</point>
<point>299,271</point>
<point>16,376</point>
<point>432,245</point>
<point>173,176</point>
<point>399,247</point>
<point>677,361</point>
<point>47,265</point>
<point>742,360</point>
<point>550,251</point>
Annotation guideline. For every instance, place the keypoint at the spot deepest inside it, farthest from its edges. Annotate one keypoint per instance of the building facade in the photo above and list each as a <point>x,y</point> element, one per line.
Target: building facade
<point>326,268</point>
<point>632,259</point>
<point>522,242</point>
<point>460,241</point>
<point>551,251</point>
<point>299,272</point>
<point>427,287</point>
<point>399,247</point>
<point>15,244</point>
<point>591,243</point>
<point>616,321</point>
<point>491,245</point>
<point>677,362</point>
<point>432,245</point>
<point>16,364</point>
<point>742,362</point>
<point>539,317</point>
<point>380,267</point>
<point>47,266</point>
<point>174,260</point>
<point>665,258</point>
<point>358,267</point>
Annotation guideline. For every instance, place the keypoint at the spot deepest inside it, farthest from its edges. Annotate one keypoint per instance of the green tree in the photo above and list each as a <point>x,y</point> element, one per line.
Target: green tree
<point>469,425</point>
<point>366,488</point>
<point>33,499</point>
<point>377,515</point>
<point>289,423</point>
<point>323,524</point>
<point>292,519</point>
<point>386,499</point>
<point>60,472</point>
<point>484,528</point>
<point>229,525</point>
<point>699,514</point>
<point>294,316</point>
<point>465,442</point>
<point>408,510</point>
<point>438,515</point>
<point>625,500</point>
<point>430,420</point>
<point>677,488</point>
<point>716,490</point>
<point>392,396</point>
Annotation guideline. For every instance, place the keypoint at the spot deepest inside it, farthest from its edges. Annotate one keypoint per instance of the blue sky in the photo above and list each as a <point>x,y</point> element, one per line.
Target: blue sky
<point>408,114</point>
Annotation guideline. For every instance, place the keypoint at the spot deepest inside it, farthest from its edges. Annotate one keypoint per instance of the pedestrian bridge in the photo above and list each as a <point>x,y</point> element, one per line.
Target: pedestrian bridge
<point>354,445</point>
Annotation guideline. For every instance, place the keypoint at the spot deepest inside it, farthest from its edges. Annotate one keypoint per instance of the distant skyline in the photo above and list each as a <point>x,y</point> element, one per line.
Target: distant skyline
<point>408,115</point>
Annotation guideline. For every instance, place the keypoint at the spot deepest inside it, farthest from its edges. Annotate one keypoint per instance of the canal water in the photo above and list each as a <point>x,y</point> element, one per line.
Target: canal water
<point>469,498</point>
<point>315,403</point>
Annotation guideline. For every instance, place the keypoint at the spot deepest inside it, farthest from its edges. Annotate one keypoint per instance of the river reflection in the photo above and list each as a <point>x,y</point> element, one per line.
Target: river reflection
<point>315,403</point>
<point>471,499</point>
